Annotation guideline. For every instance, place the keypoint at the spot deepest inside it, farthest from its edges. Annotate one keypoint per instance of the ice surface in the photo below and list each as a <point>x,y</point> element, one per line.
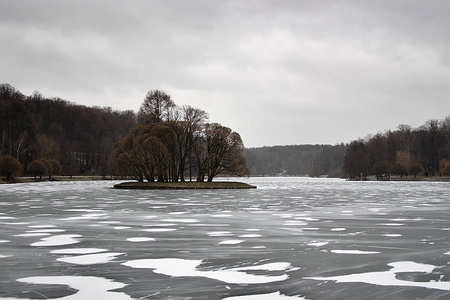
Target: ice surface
<point>254,227</point>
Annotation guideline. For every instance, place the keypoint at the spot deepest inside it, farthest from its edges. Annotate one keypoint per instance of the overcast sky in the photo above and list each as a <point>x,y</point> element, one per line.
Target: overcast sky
<point>278,72</point>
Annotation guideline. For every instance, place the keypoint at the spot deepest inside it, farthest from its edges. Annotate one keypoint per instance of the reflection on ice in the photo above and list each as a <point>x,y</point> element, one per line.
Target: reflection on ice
<point>389,278</point>
<point>188,268</point>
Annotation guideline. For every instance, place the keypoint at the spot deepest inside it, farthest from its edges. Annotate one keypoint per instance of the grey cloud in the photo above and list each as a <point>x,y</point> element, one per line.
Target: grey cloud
<point>278,72</point>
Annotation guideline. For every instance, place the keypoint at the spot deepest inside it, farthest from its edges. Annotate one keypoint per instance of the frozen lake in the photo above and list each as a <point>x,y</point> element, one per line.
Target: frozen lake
<point>292,238</point>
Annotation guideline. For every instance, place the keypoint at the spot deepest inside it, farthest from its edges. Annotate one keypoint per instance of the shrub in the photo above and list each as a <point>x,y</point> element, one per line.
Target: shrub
<point>445,167</point>
<point>9,167</point>
<point>315,171</point>
<point>416,169</point>
<point>37,168</point>
<point>56,167</point>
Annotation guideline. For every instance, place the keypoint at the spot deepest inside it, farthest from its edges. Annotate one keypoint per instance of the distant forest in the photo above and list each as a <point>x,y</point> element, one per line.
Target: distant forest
<point>300,160</point>
<point>81,138</point>
<point>406,151</point>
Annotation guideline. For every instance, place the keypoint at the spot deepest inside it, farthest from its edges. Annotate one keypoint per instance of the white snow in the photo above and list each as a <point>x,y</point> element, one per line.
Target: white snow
<point>176,267</point>
<point>140,239</point>
<point>78,251</point>
<point>160,229</point>
<point>271,296</point>
<point>317,244</point>
<point>219,233</point>
<point>58,240</point>
<point>358,252</point>
<point>230,242</point>
<point>338,229</point>
<point>90,259</point>
<point>389,278</point>
<point>33,234</point>
<point>254,235</point>
<point>88,287</point>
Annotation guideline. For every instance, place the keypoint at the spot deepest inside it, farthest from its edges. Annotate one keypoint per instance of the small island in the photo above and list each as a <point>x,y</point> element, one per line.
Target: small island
<point>188,185</point>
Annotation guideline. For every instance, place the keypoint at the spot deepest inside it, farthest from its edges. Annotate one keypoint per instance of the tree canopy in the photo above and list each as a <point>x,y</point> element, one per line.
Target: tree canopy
<point>404,152</point>
<point>79,137</point>
<point>174,141</point>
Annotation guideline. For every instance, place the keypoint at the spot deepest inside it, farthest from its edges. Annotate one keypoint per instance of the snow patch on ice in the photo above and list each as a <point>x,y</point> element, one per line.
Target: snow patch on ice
<point>176,267</point>
<point>78,251</point>
<point>140,239</point>
<point>160,229</point>
<point>45,230</point>
<point>271,296</point>
<point>358,252</point>
<point>389,278</point>
<point>42,226</point>
<point>338,229</point>
<point>230,242</point>
<point>250,235</point>
<point>33,234</point>
<point>219,233</point>
<point>182,220</point>
<point>90,259</point>
<point>85,217</point>
<point>57,240</point>
<point>87,286</point>
<point>317,244</point>
<point>122,227</point>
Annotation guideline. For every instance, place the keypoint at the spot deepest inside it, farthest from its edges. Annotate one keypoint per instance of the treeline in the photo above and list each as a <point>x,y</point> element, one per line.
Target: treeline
<point>299,160</point>
<point>404,152</point>
<point>173,142</point>
<point>79,137</point>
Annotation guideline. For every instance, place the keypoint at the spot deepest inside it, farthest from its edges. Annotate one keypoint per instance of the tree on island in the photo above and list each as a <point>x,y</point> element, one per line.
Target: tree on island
<point>174,141</point>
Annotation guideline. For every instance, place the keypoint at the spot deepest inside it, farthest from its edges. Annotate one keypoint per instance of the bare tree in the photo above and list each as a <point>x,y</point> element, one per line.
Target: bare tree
<point>221,153</point>
<point>407,139</point>
<point>156,107</point>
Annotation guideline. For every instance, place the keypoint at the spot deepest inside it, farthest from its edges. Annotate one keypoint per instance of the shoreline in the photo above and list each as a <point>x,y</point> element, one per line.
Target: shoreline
<point>187,185</point>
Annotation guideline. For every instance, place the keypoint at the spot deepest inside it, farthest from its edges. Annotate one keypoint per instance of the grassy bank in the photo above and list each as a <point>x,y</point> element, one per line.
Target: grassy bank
<point>183,185</point>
